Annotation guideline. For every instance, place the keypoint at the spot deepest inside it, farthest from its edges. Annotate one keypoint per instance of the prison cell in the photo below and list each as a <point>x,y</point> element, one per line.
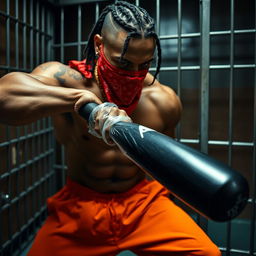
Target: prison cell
<point>209,55</point>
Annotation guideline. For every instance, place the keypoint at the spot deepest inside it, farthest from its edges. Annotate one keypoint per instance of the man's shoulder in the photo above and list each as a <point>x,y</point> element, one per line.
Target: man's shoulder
<point>48,67</point>
<point>162,95</point>
<point>163,100</point>
<point>59,72</point>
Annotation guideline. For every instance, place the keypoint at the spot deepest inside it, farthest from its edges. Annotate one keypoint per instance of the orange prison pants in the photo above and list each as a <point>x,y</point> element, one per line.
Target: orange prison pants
<point>144,220</point>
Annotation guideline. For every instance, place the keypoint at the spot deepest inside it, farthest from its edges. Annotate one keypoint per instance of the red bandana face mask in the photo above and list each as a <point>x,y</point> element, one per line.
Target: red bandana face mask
<point>120,86</point>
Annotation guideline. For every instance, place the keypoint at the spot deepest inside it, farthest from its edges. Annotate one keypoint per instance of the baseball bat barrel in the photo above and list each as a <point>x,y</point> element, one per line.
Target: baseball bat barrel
<point>208,186</point>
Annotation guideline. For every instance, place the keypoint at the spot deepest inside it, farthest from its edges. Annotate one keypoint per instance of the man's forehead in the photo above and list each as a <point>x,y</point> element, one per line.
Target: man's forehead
<point>115,40</point>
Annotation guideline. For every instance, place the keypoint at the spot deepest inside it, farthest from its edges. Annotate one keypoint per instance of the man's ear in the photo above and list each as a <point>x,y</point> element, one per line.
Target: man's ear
<point>97,43</point>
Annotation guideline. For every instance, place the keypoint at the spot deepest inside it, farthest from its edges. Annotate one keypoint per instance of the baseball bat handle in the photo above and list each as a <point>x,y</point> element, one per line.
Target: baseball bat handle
<point>210,187</point>
<point>86,110</point>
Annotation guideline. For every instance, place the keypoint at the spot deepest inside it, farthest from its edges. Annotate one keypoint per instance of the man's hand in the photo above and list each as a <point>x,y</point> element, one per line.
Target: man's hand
<point>103,117</point>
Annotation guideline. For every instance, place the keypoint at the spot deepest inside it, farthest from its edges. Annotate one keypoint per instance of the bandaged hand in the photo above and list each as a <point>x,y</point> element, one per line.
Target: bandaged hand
<point>103,117</point>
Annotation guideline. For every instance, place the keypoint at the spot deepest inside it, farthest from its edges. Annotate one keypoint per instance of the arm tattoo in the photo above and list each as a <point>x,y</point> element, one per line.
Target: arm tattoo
<point>61,72</point>
<point>77,76</point>
<point>71,73</point>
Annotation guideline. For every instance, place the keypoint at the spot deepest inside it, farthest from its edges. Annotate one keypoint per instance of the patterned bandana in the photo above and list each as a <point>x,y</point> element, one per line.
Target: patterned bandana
<point>120,86</point>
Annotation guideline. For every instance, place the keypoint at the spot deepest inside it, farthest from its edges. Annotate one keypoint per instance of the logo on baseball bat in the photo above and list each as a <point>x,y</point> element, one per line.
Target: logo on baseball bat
<point>143,129</point>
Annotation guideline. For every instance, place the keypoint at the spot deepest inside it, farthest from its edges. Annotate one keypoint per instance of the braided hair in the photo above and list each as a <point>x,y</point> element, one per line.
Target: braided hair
<point>133,19</point>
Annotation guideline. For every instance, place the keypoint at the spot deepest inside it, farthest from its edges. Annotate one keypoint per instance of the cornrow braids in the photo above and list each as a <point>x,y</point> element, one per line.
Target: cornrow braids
<point>127,40</point>
<point>133,19</point>
<point>124,23</point>
<point>159,55</point>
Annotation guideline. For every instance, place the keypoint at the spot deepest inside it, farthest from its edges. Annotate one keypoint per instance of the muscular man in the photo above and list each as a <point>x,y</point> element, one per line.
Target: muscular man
<point>107,204</point>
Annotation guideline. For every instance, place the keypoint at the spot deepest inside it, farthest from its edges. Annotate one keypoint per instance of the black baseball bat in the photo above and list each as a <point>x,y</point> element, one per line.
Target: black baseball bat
<point>208,186</point>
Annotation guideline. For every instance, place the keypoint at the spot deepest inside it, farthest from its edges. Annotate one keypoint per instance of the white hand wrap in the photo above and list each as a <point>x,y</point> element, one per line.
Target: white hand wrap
<point>106,120</point>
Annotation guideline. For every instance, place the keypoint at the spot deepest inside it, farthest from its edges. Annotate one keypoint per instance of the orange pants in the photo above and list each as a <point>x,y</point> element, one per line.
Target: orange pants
<point>144,220</point>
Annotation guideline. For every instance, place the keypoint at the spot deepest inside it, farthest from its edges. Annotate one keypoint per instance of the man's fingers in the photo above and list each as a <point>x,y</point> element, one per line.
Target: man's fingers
<point>86,97</point>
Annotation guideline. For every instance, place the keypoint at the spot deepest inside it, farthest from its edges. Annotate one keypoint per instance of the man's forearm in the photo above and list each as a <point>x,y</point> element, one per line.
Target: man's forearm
<point>24,99</point>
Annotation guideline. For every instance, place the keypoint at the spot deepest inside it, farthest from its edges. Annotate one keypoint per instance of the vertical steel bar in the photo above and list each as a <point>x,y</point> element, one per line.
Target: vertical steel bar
<point>231,98</point>
<point>179,28</point>
<point>137,2</point>
<point>16,34</point>
<point>31,34</point>
<point>49,29</point>
<point>158,17</point>
<point>43,34</point>
<point>97,11</point>
<point>62,34</point>
<point>18,184</point>
<point>52,144</point>
<point>26,202</point>
<point>24,30</point>
<point>48,45</point>
<point>79,31</point>
<point>253,209</point>
<point>205,62</point>
<point>52,34</point>
<point>47,39</point>
<point>8,35</point>
<point>157,23</point>
<point>10,191</point>
<point>37,33</point>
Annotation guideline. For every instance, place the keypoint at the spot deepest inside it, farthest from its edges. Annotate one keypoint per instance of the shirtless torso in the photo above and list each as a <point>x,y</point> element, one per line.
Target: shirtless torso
<point>54,89</point>
<point>90,161</point>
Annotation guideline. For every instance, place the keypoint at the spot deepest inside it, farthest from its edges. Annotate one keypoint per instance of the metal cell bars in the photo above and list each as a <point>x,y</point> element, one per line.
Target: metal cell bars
<point>26,152</point>
<point>230,66</point>
<point>204,67</point>
<point>78,43</point>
